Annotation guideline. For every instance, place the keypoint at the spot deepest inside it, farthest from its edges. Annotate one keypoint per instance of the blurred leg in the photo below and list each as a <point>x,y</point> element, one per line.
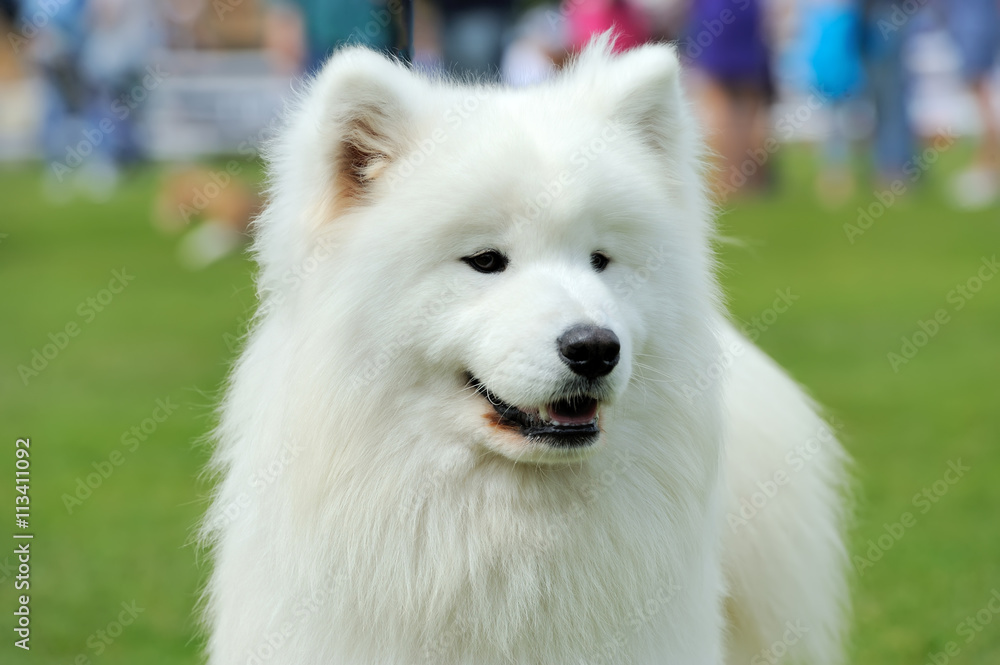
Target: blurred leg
<point>717,115</point>
<point>975,26</point>
<point>893,132</point>
<point>988,155</point>
<point>835,183</point>
<point>754,128</point>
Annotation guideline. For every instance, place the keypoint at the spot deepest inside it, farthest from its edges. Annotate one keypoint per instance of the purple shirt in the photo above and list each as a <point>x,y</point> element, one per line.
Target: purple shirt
<point>725,38</point>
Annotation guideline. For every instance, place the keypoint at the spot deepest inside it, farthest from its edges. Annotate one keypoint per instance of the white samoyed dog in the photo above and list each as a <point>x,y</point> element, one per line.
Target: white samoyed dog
<point>491,411</point>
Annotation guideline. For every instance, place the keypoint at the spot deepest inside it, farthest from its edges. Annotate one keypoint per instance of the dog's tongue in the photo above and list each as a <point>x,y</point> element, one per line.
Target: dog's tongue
<point>573,412</point>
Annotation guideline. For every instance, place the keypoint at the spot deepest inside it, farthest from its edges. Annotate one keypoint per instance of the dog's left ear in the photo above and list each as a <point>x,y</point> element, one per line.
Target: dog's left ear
<point>641,89</point>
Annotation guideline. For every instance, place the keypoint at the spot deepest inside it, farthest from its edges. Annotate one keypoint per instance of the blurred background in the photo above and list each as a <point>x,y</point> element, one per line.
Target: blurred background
<point>857,169</point>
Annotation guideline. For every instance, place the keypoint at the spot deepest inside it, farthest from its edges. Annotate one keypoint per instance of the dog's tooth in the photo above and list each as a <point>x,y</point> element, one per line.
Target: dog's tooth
<point>543,413</point>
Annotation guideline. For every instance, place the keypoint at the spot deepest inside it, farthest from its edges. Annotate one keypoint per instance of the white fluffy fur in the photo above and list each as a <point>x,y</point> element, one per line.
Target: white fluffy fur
<point>370,514</point>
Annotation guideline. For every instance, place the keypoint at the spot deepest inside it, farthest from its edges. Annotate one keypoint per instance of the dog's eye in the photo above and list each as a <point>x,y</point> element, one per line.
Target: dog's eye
<point>487,261</point>
<point>600,261</point>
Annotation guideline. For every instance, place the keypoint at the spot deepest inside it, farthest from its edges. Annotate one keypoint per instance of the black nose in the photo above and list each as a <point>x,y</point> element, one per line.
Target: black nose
<point>589,351</point>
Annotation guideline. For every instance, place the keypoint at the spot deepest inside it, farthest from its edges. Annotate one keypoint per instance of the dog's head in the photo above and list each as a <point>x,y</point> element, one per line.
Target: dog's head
<point>508,264</point>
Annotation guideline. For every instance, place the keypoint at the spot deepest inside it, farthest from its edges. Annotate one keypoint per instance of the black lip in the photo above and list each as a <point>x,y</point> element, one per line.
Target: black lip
<point>562,436</point>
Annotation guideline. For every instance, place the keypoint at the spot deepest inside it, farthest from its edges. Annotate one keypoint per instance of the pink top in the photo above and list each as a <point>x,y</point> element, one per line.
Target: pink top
<point>585,18</point>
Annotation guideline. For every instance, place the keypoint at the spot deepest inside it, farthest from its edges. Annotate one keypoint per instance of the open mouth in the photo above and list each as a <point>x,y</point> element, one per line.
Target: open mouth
<point>567,422</point>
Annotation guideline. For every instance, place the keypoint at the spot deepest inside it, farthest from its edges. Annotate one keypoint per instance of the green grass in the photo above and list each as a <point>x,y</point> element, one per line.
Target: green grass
<point>167,335</point>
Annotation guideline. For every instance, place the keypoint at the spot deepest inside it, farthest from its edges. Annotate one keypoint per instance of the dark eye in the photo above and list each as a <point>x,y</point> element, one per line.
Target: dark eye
<point>600,261</point>
<point>488,260</point>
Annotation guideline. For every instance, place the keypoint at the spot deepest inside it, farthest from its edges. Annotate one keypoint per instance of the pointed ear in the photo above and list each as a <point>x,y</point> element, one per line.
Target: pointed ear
<point>643,92</point>
<point>367,119</point>
<point>340,135</point>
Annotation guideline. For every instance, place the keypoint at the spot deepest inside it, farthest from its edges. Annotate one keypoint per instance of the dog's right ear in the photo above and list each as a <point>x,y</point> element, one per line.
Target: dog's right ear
<point>352,121</point>
<point>356,117</point>
<point>367,119</point>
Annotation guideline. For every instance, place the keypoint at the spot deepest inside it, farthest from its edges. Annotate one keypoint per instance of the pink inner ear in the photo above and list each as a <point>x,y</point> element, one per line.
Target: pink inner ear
<point>360,159</point>
<point>356,168</point>
<point>372,131</point>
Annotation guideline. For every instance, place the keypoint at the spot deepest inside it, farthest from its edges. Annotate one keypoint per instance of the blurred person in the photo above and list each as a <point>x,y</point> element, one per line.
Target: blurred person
<point>301,34</point>
<point>586,18</point>
<point>426,36</point>
<point>829,49</point>
<point>546,36</point>
<point>665,19</point>
<point>55,50</point>
<point>285,40</point>
<point>116,60</point>
<point>975,27</point>
<point>92,56</point>
<point>725,44</point>
<point>181,18</point>
<point>885,32</point>
<point>539,47</point>
<point>472,35</point>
